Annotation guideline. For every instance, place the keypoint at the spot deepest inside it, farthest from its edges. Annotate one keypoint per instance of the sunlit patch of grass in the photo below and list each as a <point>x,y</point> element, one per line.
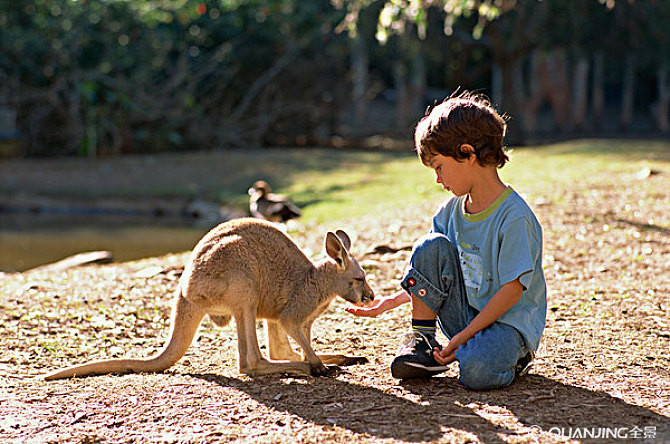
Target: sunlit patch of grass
<point>362,188</point>
<point>374,183</point>
<point>581,163</point>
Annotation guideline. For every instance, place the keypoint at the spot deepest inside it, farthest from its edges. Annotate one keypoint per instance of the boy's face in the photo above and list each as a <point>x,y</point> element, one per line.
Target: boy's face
<point>454,176</point>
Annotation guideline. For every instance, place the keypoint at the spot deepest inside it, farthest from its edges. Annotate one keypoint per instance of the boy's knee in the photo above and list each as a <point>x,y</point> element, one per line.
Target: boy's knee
<point>431,243</point>
<point>476,373</point>
<point>430,247</point>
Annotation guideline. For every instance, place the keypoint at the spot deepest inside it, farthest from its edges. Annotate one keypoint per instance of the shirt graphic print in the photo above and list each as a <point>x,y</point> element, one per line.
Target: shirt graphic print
<point>473,269</point>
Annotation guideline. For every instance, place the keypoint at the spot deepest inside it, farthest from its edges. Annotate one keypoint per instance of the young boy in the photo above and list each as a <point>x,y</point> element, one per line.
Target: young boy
<point>478,273</point>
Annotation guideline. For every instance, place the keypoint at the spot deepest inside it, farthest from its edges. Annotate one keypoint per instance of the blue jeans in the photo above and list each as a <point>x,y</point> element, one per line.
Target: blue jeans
<point>434,276</point>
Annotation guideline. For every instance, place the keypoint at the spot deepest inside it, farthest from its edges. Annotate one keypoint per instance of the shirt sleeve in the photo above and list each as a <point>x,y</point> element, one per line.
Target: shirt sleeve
<point>442,216</point>
<point>517,253</point>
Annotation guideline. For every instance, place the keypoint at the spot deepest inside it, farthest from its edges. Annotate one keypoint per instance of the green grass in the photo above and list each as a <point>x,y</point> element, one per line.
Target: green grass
<point>364,185</point>
<point>328,184</point>
<point>359,184</point>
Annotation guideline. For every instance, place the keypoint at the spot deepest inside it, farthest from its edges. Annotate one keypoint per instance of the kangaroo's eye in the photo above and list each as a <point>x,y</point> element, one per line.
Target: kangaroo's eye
<point>359,279</point>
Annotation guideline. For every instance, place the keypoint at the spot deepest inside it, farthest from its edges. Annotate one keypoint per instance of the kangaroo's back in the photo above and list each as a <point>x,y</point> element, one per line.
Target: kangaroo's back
<point>246,243</point>
<point>248,254</point>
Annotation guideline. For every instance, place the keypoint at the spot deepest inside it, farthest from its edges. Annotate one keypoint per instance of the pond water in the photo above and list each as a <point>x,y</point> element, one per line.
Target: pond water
<point>31,240</point>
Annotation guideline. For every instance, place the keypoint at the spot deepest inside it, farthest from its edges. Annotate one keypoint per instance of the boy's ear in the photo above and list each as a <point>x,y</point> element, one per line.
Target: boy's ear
<point>468,149</point>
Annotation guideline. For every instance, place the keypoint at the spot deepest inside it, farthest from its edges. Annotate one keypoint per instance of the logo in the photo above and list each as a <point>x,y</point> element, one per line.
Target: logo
<point>648,432</point>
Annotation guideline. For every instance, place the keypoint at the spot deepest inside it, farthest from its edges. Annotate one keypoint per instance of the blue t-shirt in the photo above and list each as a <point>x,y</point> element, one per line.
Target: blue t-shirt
<point>497,246</point>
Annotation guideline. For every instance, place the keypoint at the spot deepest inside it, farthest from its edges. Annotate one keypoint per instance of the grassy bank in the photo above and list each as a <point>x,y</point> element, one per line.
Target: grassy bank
<point>328,184</point>
<point>373,183</point>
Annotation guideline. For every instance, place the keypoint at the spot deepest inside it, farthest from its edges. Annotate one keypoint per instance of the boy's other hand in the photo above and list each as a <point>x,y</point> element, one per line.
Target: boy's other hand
<point>448,353</point>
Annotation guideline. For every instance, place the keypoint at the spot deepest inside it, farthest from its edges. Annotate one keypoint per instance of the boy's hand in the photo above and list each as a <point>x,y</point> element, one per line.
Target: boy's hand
<point>379,305</point>
<point>508,295</point>
<point>448,353</point>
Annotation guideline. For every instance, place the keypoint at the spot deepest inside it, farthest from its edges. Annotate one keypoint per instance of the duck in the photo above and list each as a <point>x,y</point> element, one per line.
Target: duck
<point>272,207</point>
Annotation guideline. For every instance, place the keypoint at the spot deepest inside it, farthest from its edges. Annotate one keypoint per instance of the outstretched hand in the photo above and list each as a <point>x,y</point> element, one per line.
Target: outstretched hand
<point>379,306</point>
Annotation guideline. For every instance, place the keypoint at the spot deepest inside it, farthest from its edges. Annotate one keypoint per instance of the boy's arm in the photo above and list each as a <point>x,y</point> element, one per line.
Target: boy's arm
<point>380,305</point>
<point>508,295</point>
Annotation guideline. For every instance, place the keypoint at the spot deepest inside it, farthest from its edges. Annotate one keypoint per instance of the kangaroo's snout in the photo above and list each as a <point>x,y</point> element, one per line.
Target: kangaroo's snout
<point>366,297</point>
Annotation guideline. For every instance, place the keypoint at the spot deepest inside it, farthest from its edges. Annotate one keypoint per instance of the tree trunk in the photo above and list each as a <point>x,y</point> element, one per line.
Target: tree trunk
<point>515,131</point>
<point>530,97</point>
<point>417,84</point>
<point>598,89</point>
<point>400,84</point>
<point>497,86</point>
<point>580,90</point>
<point>661,114</point>
<point>627,93</point>
<point>359,76</point>
<point>558,89</point>
<point>410,85</point>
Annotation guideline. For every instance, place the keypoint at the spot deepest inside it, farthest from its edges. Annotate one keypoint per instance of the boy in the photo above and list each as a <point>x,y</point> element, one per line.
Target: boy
<point>478,273</point>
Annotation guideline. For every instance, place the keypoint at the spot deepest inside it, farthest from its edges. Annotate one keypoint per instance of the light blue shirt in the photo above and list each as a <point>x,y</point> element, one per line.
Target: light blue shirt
<point>497,246</point>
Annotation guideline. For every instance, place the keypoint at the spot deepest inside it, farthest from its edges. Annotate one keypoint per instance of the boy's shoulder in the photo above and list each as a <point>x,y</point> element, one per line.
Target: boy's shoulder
<point>516,205</point>
<point>448,206</point>
<point>517,211</point>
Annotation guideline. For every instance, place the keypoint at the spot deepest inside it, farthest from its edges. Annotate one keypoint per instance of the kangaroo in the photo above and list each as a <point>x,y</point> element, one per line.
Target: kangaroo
<point>248,269</point>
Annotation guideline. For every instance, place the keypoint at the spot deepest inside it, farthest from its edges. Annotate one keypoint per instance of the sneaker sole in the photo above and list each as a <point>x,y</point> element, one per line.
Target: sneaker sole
<point>411,370</point>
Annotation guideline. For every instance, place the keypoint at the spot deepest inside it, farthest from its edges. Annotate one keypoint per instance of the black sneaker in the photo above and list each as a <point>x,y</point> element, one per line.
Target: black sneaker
<point>415,357</point>
<point>523,365</point>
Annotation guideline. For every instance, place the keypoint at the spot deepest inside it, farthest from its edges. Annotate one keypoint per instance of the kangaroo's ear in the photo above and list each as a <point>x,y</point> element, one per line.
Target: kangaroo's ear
<point>336,250</point>
<point>344,238</point>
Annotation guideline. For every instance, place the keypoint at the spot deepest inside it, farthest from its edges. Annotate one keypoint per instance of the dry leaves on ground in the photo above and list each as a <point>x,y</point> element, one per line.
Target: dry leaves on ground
<point>603,364</point>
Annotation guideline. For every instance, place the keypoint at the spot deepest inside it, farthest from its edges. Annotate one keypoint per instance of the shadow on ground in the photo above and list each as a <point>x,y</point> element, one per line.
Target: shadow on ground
<point>419,411</point>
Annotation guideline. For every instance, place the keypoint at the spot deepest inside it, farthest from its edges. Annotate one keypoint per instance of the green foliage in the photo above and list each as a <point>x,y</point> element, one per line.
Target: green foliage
<point>118,76</point>
<point>100,77</point>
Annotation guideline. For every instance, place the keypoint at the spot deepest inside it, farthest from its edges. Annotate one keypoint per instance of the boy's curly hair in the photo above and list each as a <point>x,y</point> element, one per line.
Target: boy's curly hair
<point>463,119</point>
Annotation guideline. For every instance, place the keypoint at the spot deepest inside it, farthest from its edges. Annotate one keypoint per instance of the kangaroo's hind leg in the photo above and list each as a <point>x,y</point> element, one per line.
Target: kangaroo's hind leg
<point>251,361</point>
<point>302,337</point>
<point>278,343</point>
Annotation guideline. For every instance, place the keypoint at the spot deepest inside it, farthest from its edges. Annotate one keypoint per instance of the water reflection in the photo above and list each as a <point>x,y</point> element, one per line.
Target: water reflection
<point>31,240</point>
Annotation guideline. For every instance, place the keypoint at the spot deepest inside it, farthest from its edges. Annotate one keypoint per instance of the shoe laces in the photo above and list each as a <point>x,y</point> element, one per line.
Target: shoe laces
<point>412,338</point>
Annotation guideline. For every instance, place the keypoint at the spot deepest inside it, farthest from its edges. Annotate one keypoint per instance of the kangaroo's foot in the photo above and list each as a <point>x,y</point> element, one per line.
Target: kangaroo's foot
<point>265,367</point>
<point>343,360</point>
<point>322,370</point>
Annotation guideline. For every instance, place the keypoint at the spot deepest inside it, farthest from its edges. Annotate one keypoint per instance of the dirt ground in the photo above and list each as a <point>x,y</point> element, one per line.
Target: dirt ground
<point>602,373</point>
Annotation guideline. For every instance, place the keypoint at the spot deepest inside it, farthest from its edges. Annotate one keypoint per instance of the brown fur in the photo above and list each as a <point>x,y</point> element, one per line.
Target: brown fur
<point>248,269</point>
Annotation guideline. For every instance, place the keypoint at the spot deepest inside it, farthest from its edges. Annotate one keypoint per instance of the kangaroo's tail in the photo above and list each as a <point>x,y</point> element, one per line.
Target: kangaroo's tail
<point>185,321</point>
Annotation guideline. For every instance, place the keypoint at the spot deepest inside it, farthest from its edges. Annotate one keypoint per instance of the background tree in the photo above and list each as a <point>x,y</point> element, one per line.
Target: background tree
<point>100,77</point>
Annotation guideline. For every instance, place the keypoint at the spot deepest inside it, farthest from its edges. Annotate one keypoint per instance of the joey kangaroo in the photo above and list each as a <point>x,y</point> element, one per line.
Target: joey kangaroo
<point>248,269</point>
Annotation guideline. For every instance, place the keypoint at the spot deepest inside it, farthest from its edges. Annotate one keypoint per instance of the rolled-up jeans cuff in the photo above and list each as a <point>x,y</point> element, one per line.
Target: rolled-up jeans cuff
<point>418,286</point>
